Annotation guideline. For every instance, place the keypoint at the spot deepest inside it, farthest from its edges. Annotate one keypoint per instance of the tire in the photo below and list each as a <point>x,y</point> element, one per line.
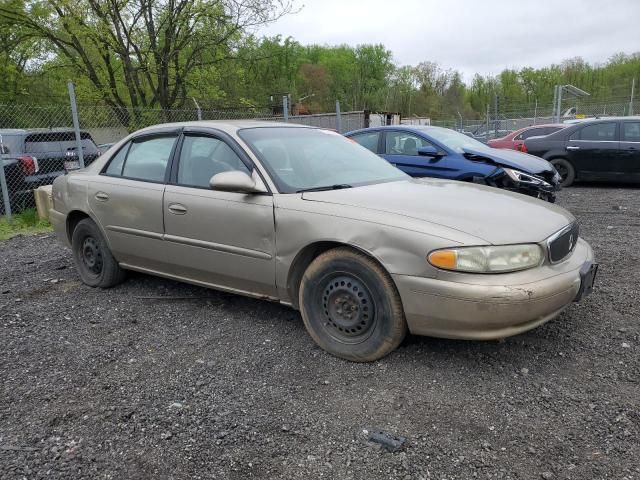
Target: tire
<point>566,171</point>
<point>93,259</point>
<point>351,307</point>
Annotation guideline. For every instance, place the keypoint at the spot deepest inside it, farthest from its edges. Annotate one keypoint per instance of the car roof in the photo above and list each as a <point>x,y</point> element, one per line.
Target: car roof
<point>408,128</point>
<point>227,126</point>
<point>580,121</point>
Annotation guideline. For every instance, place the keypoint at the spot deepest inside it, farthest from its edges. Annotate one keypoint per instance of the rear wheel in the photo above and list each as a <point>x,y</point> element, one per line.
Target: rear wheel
<point>351,307</point>
<point>566,171</point>
<point>93,259</point>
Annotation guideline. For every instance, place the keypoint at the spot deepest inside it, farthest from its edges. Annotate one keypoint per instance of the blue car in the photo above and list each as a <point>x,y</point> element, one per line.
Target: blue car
<point>423,151</point>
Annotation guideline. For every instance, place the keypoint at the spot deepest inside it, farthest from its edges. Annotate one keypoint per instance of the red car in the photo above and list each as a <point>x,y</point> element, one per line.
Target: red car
<point>515,140</point>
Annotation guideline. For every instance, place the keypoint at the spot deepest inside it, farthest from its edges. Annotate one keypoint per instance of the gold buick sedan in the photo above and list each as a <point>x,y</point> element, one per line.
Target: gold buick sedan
<point>308,218</point>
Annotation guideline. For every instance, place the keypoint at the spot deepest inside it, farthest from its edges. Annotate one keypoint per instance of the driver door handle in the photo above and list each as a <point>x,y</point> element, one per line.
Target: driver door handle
<point>103,197</point>
<point>573,147</point>
<point>177,209</point>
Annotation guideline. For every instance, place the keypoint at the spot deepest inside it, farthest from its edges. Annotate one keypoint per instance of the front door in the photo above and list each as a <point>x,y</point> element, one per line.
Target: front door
<point>593,150</point>
<point>630,151</point>
<point>127,196</point>
<point>401,150</point>
<point>223,239</point>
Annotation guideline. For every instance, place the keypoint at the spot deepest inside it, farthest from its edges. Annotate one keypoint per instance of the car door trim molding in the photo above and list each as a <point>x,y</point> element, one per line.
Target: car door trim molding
<point>244,252</point>
<point>135,232</point>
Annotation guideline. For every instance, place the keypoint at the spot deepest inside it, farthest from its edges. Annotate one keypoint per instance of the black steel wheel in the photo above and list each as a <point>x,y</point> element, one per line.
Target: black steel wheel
<point>92,255</point>
<point>95,263</point>
<point>565,170</point>
<point>350,306</point>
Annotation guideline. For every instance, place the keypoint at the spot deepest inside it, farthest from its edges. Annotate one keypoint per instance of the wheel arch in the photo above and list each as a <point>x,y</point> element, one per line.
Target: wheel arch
<point>73,218</point>
<point>76,216</point>
<point>308,254</point>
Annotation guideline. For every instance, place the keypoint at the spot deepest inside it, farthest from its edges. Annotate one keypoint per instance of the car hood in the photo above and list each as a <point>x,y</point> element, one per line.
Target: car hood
<point>491,214</point>
<point>512,159</point>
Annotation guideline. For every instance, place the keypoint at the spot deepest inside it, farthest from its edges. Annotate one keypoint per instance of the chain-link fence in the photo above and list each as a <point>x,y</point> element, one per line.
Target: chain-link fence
<point>39,143</point>
<point>500,121</point>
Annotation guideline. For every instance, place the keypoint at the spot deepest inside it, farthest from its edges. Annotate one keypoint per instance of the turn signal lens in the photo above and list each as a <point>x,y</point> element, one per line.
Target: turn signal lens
<point>490,259</point>
<point>443,259</point>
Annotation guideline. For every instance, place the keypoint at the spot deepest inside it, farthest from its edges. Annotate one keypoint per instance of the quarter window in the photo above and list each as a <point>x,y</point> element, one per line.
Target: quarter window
<point>402,143</point>
<point>115,164</point>
<point>203,157</point>
<point>368,140</point>
<point>148,159</point>
<point>596,133</point>
<point>631,131</point>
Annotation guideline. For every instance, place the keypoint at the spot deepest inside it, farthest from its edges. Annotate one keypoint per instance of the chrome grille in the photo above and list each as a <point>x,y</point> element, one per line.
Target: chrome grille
<point>562,243</point>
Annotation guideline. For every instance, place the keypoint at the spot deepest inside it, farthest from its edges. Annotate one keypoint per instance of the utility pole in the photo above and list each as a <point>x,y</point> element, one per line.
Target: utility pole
<point>495,112</point>
<point>633,89</point>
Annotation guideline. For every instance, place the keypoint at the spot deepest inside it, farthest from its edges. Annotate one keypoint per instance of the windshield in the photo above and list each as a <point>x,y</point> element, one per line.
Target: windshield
<point>454,140</point>
<point>310,158</point>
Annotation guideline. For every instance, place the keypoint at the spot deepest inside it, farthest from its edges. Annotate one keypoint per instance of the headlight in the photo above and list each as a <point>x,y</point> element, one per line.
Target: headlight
<point>490,259</point>
<point>521,177</point>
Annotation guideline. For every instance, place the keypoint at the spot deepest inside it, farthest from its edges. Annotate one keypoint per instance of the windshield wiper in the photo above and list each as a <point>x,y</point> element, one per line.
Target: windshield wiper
<point>338,186</point>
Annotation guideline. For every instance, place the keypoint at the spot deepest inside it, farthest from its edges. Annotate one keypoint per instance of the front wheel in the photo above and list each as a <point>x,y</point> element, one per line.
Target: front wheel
<point>93,259</point>
<point>351,307</point>
<point>566,171</point>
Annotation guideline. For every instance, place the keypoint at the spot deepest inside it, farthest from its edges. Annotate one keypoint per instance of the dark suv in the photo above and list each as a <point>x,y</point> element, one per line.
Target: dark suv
<point>32,158</point>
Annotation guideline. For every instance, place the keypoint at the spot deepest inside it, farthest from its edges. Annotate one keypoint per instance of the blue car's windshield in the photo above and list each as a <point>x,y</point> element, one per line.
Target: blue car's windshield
<point>454,140</point>
<point>310,158</point>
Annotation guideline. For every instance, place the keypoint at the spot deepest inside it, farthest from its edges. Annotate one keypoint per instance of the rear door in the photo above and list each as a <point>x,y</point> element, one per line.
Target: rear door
<point>400,148</point>
<point>126,198</point>
<point>630,150</point>
<point>593,150</point>
<point>225,239</point>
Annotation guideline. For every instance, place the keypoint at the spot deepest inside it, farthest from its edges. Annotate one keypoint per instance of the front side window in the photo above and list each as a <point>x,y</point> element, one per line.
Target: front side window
<point>147,159</point>
<point>402,143</point>
<point>203,157</point>
<point>631,132</point>
<point>303,158</point>
<point>596,133</point>
<point>368,140</point>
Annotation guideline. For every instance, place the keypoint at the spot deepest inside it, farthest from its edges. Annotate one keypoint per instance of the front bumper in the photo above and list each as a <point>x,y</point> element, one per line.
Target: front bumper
<point>483,307</point>
<point>498,178</point>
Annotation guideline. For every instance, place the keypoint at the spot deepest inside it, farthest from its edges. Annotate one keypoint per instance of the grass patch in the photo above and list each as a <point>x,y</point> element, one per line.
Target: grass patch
<point>24,223</point>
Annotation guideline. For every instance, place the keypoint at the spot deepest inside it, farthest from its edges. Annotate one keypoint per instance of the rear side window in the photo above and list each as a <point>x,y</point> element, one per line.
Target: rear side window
<point>148,159</point>
<point>596,133</point>
<point>368,140</point>
<point>631,131</point>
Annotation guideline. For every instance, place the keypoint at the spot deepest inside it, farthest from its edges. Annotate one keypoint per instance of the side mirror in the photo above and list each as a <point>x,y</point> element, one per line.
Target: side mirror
<point>236,181</point>
<point>429,151</point>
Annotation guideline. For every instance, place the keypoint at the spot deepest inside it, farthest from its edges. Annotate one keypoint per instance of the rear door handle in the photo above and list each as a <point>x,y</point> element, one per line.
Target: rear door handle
<point>573,147</point>
<point>177,209</point>
<point>103,197</point>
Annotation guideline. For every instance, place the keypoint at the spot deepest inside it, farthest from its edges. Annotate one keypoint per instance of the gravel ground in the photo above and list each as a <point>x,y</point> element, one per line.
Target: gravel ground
<point>121,384</point>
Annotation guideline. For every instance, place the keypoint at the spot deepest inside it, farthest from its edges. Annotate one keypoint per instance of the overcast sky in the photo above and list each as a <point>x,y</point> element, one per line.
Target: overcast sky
<point>483,36</point>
